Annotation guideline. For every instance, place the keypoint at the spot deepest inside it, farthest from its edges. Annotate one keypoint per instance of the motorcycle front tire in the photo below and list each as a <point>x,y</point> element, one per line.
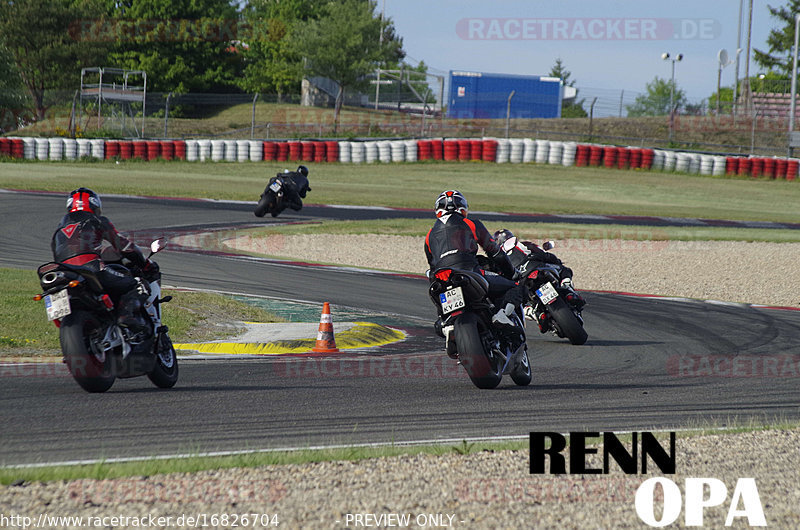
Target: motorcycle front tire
<point>475,360</point>
<point>568,324</point>
<point>165,369</point>
<point>92,374</point>
<point>521,374</point>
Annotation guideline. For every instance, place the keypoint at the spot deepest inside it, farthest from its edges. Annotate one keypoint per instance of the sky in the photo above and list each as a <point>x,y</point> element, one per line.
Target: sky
<point>613,48</point>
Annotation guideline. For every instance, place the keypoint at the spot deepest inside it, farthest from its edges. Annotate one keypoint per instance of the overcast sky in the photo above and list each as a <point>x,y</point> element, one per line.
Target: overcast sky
<point>608,45</point>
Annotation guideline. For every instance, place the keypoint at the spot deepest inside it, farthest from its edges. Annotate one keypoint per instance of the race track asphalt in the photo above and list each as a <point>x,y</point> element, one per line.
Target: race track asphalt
<point>649,363</point>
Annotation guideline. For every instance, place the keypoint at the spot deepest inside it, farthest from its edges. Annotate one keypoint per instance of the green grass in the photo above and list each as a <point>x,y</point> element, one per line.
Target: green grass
<point>561,233</point>
<point>489,187</point>
<point>191,464</point>
<point>26,330</point>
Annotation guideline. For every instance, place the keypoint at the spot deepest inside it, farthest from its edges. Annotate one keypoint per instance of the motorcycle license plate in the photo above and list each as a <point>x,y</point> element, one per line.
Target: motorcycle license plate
<point>57,305</point>
<point>546,293</point>
<point>452,300</point>
<point>275,186</point>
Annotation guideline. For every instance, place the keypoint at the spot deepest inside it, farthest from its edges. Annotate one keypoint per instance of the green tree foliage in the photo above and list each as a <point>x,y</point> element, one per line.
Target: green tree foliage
<point>183,45</point>
<point>569,109</point>
<point>44,45</point>
<point>12,95</point>
<point>271,60</point>
<point>345,44</point>
<point>725,101</point>
<point>655,101</point>
<point>780,40</point>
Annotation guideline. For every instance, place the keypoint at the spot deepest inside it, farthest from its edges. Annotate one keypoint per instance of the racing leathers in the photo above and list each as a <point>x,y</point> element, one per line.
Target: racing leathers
<point>295,187</point>
<point>88,240</point>
<point>453,242</point>
<point>524,254</point>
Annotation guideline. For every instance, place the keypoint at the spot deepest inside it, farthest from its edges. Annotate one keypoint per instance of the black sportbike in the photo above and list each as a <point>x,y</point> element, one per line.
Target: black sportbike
<point>96,349</point>
<point>273,199</point>
<point>465,322</point>
<point>554,307</point>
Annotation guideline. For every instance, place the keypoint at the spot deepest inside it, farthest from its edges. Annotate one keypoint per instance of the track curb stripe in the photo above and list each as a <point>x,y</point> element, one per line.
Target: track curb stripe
<point>362,335</point>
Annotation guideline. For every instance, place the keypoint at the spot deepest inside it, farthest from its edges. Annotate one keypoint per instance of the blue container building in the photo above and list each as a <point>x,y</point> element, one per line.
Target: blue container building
<point>482,95</point>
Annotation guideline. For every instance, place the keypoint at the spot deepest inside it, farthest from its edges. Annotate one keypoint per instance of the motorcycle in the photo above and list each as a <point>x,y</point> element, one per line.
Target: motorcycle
<point>272,200</point>
<point>95,348</point>
<point>465,314</point>
<point>554,307</point>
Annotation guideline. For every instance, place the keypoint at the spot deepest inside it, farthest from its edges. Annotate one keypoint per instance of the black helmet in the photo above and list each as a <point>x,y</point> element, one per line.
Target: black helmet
<point>84,200</point>
<point>451,201</point>
<point>303,170</point>
<point>503,235</point>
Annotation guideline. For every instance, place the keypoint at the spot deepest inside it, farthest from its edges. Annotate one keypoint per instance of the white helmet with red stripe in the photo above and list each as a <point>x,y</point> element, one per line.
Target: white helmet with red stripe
<point>84,200</point>
<point>451,201</point>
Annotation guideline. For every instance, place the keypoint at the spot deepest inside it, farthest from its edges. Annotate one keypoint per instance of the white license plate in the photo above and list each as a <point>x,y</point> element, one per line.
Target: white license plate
<point>57,305</point>
<point>546,293</point>
<point>275,186</point>
<point>451,300</point>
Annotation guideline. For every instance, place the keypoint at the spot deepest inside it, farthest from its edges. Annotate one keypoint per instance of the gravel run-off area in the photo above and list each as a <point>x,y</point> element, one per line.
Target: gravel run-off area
<point>478,490</point>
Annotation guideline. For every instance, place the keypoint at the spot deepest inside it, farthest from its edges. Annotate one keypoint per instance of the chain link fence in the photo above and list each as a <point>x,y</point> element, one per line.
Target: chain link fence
<point>273,116</point>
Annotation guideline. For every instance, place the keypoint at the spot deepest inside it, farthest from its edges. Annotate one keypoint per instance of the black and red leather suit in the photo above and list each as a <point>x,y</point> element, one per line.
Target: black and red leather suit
<point>89,240</point>
<point>453,242</point>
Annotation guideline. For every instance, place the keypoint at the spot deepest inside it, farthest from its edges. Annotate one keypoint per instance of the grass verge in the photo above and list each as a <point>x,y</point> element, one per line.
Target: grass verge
<point>489,187</point>
<point>190,315</point>
<point>537,231</point>
<point>193,464</point>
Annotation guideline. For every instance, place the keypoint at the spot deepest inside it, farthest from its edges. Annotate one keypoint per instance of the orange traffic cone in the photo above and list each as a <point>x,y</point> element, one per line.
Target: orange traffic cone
<point>325,341</point>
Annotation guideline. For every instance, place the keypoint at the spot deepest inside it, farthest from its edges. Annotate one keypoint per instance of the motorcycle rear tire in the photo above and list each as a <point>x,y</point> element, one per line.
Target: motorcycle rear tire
<point>568,324</point>
<point>165,370</point>
<point>474,358</point>
<point>89,372</point>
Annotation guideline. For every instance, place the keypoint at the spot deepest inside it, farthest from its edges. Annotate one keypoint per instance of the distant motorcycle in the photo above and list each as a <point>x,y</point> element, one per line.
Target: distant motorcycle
<point>285,190</point>
<point>554,307</point>
<point>465,313</point>
<point>272,200</point>
<point>95,349</point>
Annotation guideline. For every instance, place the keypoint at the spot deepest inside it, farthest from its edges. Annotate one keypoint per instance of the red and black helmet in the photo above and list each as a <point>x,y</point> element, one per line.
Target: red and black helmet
<point>451,201</point>
<point>84,200</point>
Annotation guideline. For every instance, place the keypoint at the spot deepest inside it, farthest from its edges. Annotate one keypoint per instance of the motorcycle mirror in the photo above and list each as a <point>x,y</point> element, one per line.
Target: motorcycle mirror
<point>548,245</point>
<point>158,245</point>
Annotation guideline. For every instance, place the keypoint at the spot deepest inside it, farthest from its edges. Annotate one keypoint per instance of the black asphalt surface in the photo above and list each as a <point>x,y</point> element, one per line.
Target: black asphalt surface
<point>649,363</point>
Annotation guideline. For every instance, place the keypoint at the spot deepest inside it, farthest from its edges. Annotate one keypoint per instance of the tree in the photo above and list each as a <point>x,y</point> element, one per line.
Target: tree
<point>42,46</point>
<point>780,40</point>
<point>655,101</point>
<point>183,46</point>
<point>345,45</point>
<point>570,108</point>
<point>725,101</point>
<point>12,95</point>
<point>271,61</point>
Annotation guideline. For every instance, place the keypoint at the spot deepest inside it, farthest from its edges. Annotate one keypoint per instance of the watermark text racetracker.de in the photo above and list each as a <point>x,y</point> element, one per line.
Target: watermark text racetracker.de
<point>435,367</point>
<point>771,366</point>
<point>589,29</point>
<point>147,520</point>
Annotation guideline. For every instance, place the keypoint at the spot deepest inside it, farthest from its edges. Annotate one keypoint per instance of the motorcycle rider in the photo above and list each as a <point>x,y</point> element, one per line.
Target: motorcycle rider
<point>453,241</point>
<point>295,186</point>
<point>523,253</point>
<point>85,237</point>
<point>520,252</point>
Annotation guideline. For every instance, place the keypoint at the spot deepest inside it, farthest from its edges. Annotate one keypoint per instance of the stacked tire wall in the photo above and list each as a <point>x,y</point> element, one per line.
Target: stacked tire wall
<point>498,150</point>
